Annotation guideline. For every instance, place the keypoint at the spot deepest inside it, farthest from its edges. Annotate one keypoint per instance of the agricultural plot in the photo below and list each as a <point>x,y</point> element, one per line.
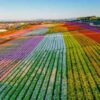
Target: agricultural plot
<point>83,67</point>
<point>39,75</point>
<point>60,62</point>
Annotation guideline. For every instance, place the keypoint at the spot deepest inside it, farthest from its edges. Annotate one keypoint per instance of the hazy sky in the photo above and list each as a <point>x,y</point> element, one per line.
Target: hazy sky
<point>38,9</point>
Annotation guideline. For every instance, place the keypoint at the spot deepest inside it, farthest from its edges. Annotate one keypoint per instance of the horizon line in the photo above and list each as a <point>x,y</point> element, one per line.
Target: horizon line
<point>37,19</point>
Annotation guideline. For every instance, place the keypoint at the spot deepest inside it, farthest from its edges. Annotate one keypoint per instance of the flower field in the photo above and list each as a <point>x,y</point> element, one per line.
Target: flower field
<point>47,62</point>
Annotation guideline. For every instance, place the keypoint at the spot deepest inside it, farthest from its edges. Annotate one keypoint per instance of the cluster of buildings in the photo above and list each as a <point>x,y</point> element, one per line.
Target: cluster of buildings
<point>92,20</point>
<point>5,26</point>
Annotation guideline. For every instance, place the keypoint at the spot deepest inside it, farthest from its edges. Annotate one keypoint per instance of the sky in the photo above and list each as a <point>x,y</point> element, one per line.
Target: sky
<point>47,9</point>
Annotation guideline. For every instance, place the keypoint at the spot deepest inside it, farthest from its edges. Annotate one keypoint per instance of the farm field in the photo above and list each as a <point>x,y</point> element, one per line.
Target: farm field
<point>51,61</point>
